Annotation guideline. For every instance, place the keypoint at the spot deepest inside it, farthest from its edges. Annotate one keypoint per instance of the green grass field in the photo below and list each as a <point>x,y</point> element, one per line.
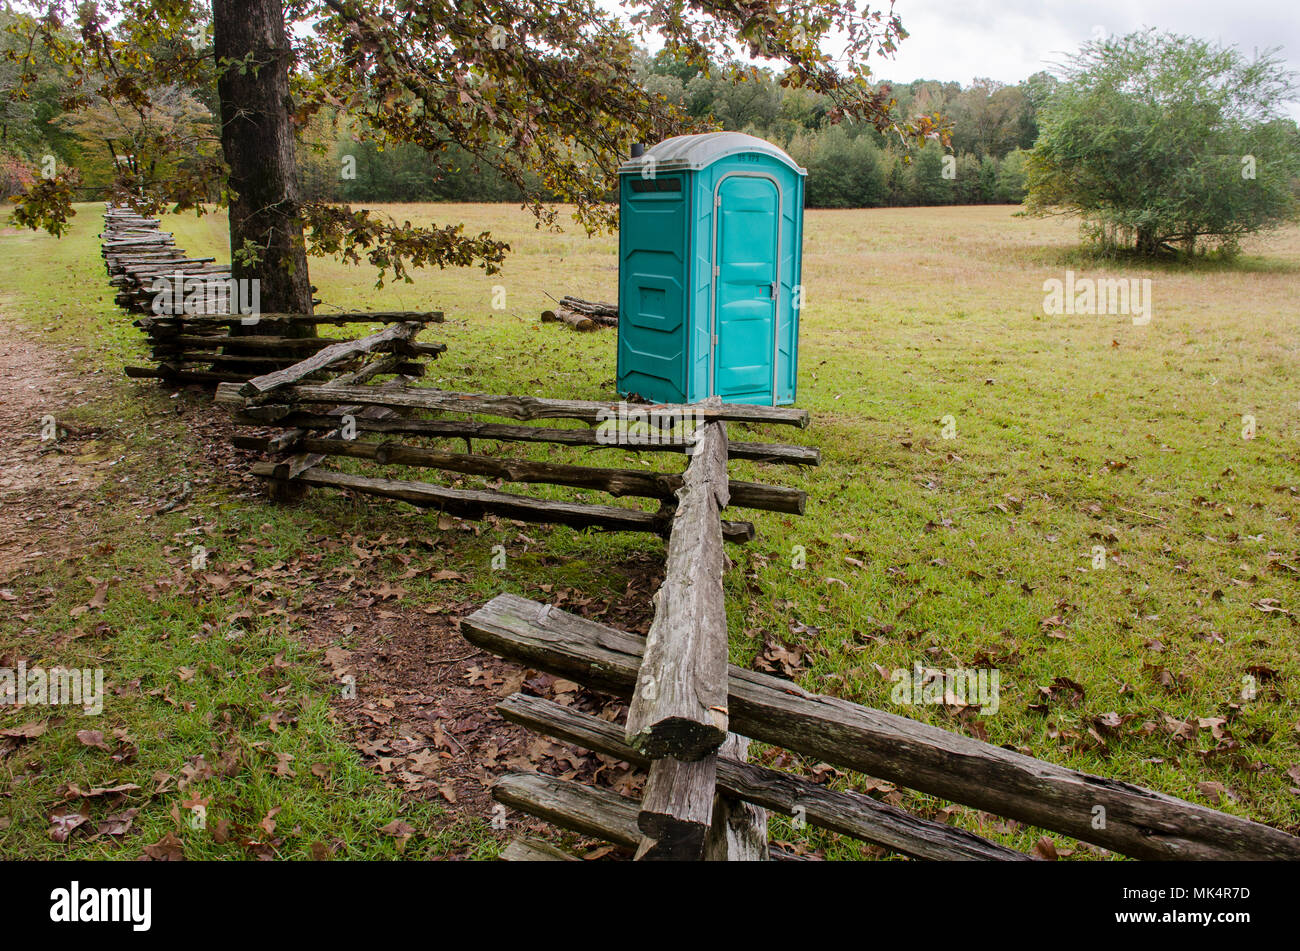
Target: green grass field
<point>1068,434</point>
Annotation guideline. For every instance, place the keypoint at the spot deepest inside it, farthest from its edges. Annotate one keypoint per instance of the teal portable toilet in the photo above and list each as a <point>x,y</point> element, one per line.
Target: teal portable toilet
<point>709,269</point>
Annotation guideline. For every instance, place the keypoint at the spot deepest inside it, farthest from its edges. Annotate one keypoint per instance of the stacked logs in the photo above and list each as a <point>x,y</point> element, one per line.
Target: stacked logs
<point>194,315</point>
<point>137,252</point>
<point>205,349</point>
<point>582,314</point>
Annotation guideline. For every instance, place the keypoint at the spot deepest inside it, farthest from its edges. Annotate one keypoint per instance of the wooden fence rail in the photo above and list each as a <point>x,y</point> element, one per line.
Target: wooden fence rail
<point>848,813</point>
<point>679,708</point>
<point>592,412</point>
<point>312,435</point>
<point>469,430</point>
<point>195,327</point>
<point>1137,822</point>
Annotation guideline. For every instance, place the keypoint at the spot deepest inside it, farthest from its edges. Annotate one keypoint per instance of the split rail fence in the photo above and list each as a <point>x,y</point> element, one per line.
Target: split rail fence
<point>691,716</point>
<point>190,312</point>
<point>712,807</point>
<point>393,425</point>
<point>136,252</point>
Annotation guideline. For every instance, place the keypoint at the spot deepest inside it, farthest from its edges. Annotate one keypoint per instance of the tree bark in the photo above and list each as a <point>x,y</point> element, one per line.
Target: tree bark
<point>258,143</point>
<point>1147,243</point>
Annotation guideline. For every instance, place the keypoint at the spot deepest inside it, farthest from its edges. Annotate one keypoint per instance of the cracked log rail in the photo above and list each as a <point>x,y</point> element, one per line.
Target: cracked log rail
<point>678,715</point>
<point>848,813</point>
<point>469,429</point>
<point>476,503</point>
<point>599,813</point>
<point>280,397</point>
<point>532,407</point>
<point>616,482</point>
<point>1139,822</point>
<point>679,708</point>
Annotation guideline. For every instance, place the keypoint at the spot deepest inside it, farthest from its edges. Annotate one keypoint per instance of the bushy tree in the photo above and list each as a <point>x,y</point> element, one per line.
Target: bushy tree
<point>986,118</point>
<point>755,101</point>
<point>158,142</point>
<point>15,176</point>
<point>1009,181</point>
<point>1164,143</point>
<point>896,180</point>
<point>926,184</point>
<point>843,171</point>
<point>967,187</point>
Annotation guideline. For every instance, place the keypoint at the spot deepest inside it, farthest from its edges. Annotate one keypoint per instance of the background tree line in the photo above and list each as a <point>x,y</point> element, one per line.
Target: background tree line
<point>849,165</point>
<point>1158,143</point>
<point>175,131</point>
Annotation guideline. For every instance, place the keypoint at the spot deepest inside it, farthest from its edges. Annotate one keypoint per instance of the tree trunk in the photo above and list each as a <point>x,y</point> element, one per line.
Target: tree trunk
<point>1148,245</point>
<point>257,140</point>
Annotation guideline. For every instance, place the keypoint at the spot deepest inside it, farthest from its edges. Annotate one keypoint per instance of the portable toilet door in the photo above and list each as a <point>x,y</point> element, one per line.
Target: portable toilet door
<point>710,240</point>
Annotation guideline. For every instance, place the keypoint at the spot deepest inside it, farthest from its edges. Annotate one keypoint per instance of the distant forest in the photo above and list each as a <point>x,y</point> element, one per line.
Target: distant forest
<point>992,126</point>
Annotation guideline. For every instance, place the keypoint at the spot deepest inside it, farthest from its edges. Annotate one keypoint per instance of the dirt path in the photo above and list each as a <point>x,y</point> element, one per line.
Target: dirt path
<point>45,485</point>
<point>424,711</point>
<point>422,715</point>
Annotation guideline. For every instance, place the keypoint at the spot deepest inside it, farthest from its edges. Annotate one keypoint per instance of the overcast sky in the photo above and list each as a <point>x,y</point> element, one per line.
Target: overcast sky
<point>1010,39</point>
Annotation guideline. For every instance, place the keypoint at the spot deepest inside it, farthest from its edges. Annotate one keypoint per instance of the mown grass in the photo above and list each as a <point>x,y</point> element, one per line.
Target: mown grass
<point>1071,432</point>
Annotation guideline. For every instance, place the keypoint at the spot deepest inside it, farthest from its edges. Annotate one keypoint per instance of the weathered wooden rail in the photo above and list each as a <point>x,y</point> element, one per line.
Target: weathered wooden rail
<point>200,330</point>
<point>691,715</point>
<point>310,416</point>
<point>136,252</point>
<point>1137,822</point>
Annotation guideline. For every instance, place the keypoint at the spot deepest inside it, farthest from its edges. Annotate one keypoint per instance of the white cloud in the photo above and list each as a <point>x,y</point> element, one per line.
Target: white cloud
<point>1010,40</point>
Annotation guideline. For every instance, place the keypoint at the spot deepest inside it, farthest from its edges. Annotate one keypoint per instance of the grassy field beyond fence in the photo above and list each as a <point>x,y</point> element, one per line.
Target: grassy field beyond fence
<point>1102,509</point>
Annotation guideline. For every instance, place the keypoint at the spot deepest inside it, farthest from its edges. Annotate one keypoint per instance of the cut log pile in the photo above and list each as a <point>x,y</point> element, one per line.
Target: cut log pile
<point>582,314</point>
<point>200,325</point>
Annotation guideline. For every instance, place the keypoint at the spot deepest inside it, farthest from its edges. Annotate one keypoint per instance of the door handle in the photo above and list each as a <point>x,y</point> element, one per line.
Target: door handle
<point>772,290</point>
